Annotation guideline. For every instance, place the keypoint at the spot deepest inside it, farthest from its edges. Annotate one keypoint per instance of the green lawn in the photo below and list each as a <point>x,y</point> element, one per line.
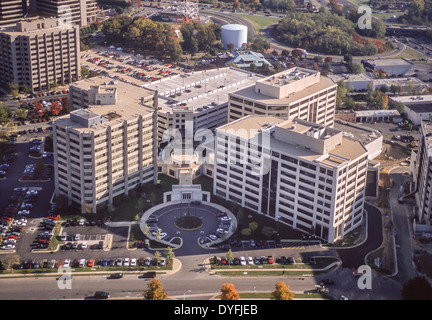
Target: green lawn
<point>258,22</point>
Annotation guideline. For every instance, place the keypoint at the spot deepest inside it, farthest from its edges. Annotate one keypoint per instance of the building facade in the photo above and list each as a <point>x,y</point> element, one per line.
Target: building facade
<point>38,53</point>
<point>78,12</point>
<point>421,168</point>
<point>12,11</point>
<point>294,93</point>
<point>307,176</point>
<point>105,149</point>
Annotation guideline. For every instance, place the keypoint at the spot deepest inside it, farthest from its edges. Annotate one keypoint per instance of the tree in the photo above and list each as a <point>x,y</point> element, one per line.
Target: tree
<point>5,113</point>
<point>417,288</point>
<point>357,68</point>
<point>12,260</point>
<point>253,226</point>
<point>55,108</point>
<point>328,60</point>
<point>157,256</point>
<point>282,292</point>
<point>170,256</point>
<point>229,292</point>
<point>229,255</point>
<point>155,291</point>
<point>399,106</point>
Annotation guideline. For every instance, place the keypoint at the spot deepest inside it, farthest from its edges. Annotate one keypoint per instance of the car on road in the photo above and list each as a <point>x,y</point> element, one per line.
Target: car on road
<point>101,295</point>
<point>116,276</point>
<point>327,281</point>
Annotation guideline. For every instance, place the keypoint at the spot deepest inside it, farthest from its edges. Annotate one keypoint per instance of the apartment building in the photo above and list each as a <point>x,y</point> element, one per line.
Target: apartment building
<point>39,52</point>
<point>307,176</point>
<point>421,168</point>
<point>78,12</point>
<point>294,93</point>
<point>105,148</point>
<point>12,11</point>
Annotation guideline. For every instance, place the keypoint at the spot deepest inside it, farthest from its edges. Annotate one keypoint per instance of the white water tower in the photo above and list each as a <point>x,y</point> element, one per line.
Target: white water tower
<point>235,34</point>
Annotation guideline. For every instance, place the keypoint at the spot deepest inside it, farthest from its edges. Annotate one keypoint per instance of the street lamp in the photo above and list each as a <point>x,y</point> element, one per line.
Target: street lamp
<point>184,294</point>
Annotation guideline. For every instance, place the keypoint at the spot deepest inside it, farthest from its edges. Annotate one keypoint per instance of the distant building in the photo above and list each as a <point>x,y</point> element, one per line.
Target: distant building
<point>12,11</point>
<point>107,147</point>
<point>417,108</point>
<point>244,59</point>
<point>79,12</point>
<point>368,116</point>
<point>38,52</point>
<point>307,176</point>
<point>362,82</point>
<point>390,66</point>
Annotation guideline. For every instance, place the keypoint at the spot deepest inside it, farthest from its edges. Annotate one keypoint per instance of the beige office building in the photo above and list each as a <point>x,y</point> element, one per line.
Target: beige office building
<point>79,12</point>
<point>307,176</point>
<point>39,52</point>
<point>294,93</point>
<point>12,11</point>
<point>106,148</point>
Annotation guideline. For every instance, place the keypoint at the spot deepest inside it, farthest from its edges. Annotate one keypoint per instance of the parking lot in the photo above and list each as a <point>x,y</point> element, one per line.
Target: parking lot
<point>132,69</point>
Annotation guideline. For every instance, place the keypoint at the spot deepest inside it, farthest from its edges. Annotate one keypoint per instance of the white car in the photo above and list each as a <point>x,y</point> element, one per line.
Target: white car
<point>82,263</point>
<point>250,260</point>
<point>213,237</point>
<point>162,261</point>
<point>225,219</point>
<point>67,263</point>
<point>84,245</point>
<point>133,262</point>
<point>242,261</point>
<point>126,262</point>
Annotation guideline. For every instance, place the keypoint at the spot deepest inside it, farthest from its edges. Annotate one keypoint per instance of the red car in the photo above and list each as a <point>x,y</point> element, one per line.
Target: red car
<point>270,259</point>
<point>221,214</point>
<point>90,263</point>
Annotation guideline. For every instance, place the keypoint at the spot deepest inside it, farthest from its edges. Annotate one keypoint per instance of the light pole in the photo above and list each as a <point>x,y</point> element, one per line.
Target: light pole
<point>184,294</point>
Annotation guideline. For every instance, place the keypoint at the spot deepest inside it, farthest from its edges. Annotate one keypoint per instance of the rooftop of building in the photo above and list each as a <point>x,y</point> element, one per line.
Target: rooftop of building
<point>249,93</point>
<point>34,25</point>
<point>127,94</point>
<point>253,126</point>
<point>389,62</point>
<point>417,99</point>
<point>357,132</point>
<point>288,76</point>
<point>201,90</point>
<point>366,113</point>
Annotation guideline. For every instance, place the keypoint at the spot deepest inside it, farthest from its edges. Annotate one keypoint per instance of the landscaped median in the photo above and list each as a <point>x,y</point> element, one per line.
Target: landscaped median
<point>323,264</point>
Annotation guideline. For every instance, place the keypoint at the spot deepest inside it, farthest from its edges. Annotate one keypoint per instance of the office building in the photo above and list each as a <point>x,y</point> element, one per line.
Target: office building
<point>106,148</point>
<point>416,108</point>
<point>307,176</point>
<point>421,168</point>
<point>78,12</point>
<point>295,93</point>
<point>38,53</point>
<point>12,11</point>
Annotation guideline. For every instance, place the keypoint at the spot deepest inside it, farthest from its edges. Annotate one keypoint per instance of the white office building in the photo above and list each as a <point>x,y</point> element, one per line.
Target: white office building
<point>307,176</point>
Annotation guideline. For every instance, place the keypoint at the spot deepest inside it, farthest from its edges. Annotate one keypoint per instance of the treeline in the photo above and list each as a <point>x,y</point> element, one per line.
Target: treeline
<point>145,34</point>
<point>419,12</point>
<point>332,32</point>
<point>198,37</point>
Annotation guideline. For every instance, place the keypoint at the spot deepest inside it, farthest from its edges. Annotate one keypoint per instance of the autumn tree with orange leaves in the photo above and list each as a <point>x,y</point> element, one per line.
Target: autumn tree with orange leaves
<point>229,292</point>
<point>282,292</point>
<point>155,291</point>
<point>55,108</point>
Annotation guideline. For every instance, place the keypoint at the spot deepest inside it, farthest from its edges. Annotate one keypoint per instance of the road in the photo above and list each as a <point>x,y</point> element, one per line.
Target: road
<point>403,234</point>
